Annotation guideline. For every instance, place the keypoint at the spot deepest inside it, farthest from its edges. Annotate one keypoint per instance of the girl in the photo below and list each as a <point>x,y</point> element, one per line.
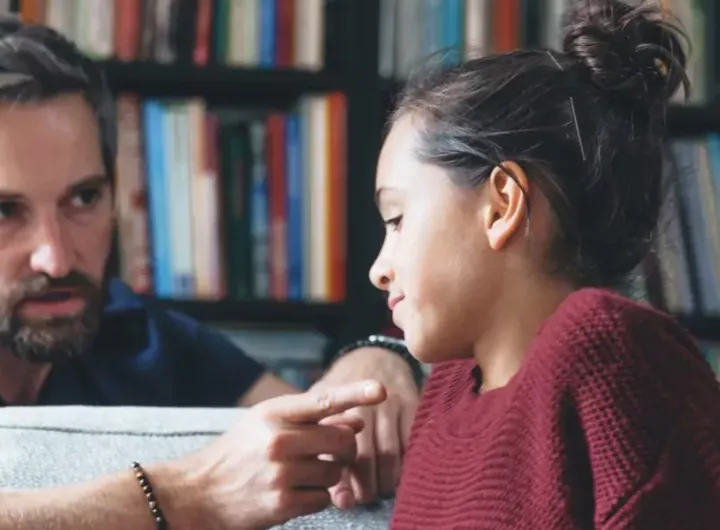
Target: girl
<point>516,189</point>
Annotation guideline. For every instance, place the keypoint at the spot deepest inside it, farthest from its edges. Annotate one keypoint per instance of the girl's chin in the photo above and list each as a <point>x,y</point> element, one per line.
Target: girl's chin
<point>416,347</point>
<point>429,351</point>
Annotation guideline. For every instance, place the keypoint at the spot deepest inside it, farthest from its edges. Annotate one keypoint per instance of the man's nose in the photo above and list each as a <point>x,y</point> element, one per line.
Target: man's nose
<point>51,254</point>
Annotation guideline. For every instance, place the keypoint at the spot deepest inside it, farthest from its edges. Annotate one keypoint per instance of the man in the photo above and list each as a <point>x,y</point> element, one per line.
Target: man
<point>71,335</point>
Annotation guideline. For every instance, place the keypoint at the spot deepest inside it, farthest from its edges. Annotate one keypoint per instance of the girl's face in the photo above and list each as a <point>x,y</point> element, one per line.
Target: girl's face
<point>436,263</point>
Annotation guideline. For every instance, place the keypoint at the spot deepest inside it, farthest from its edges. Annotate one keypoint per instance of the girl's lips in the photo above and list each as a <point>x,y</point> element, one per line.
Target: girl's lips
<point>394,300</point>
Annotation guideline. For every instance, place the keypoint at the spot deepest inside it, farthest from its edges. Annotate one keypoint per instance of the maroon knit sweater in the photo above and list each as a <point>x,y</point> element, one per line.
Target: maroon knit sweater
<point>613,422</point>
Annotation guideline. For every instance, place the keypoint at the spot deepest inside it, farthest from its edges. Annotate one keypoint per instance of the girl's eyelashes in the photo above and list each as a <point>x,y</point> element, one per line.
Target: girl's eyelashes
<point>394,223</point>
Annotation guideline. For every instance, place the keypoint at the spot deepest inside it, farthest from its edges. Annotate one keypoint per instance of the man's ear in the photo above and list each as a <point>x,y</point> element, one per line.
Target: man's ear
<point>506,203</point>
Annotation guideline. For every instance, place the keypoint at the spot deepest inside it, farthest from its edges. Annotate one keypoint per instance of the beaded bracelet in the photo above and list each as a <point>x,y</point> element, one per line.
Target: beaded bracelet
<point>392,344</point>
<point>155,510</point>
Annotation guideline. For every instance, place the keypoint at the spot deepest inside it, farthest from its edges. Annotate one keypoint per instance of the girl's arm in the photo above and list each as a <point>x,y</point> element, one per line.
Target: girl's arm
<point>650,411</point>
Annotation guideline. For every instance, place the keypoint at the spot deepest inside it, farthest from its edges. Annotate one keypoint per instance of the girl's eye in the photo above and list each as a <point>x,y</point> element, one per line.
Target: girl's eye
<point>394,223</point>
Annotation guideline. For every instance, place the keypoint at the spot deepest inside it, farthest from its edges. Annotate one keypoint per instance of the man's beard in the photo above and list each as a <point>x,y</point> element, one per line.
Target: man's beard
<point>51,339</point>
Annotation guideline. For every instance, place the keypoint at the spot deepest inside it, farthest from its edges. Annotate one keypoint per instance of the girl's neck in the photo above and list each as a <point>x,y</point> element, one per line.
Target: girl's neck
<point>515,319</point>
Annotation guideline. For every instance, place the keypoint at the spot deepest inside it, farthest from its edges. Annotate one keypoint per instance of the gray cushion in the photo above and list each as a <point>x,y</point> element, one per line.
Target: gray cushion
<point>48,446</point>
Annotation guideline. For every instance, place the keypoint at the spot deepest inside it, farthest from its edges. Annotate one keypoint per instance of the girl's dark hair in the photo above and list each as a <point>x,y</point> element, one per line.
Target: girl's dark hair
<point>586,124</point>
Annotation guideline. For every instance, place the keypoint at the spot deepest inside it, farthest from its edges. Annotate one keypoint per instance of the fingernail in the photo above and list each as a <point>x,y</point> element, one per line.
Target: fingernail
<point>346,500</point>
<point>372,389</point>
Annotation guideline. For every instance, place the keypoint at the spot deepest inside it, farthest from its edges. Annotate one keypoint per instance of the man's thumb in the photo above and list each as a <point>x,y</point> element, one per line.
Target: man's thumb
<point>342,494</point>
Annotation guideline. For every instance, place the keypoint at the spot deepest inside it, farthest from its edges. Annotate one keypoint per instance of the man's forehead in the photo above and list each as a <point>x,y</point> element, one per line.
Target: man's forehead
<point>8,193</point>
<point>48,146</point>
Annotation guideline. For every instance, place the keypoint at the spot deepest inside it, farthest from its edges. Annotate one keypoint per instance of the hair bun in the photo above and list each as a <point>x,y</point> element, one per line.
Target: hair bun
<point>632,52</point>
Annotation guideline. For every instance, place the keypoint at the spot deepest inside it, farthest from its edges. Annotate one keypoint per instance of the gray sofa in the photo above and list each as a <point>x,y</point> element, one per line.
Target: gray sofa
<point>42,446</point>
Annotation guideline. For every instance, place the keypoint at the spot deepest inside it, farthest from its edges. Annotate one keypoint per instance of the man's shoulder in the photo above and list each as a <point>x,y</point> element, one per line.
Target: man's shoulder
<point>121,298</point>
<point>168,329</point>
<point>124,304</point>
<point>171,349</point>
<point>139,323</point>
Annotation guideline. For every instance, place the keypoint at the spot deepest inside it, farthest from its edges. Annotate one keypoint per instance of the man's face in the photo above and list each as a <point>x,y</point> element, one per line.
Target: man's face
<point>56,223</point>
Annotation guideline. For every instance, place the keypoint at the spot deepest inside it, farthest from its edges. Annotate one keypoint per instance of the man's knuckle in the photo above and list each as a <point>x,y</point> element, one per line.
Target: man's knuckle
<point>388,446</point>
<point>319,500</point>
<point>277,445</point>
<point>276,477</point>
<point>388,452</point>
<point>343,436</point>
<point>393,401</point>
<point>277,500</point>
<point>325,402</point>
<point>347,443</point>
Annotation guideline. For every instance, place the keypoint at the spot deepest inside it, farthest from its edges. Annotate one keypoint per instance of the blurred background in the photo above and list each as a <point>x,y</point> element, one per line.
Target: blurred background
<point>248,134</point>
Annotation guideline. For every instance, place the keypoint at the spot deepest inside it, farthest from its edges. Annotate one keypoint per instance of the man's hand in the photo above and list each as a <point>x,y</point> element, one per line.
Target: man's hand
<point>381,444</point>
<point>280,461</point>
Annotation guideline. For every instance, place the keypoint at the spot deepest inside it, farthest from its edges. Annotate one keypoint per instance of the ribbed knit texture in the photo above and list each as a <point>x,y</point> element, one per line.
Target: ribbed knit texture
<point>613,422</point>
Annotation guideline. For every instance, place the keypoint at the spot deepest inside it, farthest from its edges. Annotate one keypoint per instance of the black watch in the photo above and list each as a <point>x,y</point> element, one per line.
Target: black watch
<point>392,344</point>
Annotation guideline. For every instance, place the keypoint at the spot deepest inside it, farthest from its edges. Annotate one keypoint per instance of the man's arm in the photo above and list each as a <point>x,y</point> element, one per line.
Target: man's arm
<point>266,387</point>
<point>269,385</point>
<point>111,503</point>
<point>261,473</point>
<point>218,373</point>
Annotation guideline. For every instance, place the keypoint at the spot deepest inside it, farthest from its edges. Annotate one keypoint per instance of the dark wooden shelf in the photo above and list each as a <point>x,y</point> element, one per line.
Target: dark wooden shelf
<point>694,120</point>
<point>217,83</point>
<point>705,328</point>
<point>325,317</point>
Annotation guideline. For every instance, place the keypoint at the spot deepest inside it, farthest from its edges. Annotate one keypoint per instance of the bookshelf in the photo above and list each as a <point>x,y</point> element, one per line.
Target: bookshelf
<point>705,328</point>
<point>325,317</point>
<point>217,83</point>
<point>352,66</point>
<point>694,120</point>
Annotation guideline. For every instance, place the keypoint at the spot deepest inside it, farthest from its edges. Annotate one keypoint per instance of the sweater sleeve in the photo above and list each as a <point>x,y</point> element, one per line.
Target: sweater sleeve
<point>649,407</point>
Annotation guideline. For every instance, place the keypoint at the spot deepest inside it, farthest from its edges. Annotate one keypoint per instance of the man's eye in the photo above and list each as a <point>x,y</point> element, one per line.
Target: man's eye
<point>394,223</point>
<point>85,198</point>
<point>9,209</point>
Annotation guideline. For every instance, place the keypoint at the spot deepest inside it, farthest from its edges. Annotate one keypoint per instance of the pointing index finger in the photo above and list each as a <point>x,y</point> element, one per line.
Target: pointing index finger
<point>313,406</point>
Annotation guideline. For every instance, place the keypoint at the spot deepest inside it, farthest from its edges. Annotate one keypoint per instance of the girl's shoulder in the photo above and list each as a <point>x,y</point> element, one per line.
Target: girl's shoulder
<point>596,333</point>
<point>595,315</point>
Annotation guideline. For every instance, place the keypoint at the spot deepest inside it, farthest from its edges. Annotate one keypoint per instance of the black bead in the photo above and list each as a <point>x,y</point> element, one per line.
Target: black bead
<point>153,505</point>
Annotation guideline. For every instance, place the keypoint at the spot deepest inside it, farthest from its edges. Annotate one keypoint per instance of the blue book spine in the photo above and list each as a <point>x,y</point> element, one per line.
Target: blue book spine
<point>158,214</point>
<point>294,207</point>
<point>267,32</point>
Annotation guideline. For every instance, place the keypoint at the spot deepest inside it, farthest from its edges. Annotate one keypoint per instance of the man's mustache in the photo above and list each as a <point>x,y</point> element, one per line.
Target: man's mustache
<point>41,284</point>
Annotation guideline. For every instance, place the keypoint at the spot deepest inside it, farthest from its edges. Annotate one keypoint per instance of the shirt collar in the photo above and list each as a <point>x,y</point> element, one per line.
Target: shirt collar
<point>124,322</point>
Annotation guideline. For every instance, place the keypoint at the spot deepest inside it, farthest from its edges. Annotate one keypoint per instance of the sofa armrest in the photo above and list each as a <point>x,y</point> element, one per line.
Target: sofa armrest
<point>51,446</point>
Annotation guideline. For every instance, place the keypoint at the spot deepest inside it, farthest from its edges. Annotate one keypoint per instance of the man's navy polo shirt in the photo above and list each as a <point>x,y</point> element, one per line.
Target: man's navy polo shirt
<point>145,355</point>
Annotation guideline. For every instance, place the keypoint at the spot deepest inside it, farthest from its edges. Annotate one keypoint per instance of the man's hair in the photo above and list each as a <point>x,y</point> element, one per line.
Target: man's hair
<point>38,63</point>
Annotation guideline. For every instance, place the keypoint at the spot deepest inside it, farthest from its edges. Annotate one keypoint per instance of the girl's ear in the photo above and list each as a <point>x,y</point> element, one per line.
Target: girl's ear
<point>506,205</point>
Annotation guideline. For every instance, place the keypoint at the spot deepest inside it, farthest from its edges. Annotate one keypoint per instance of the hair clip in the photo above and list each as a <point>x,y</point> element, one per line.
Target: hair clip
<point>9,79</point>
<point>572,109</point>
